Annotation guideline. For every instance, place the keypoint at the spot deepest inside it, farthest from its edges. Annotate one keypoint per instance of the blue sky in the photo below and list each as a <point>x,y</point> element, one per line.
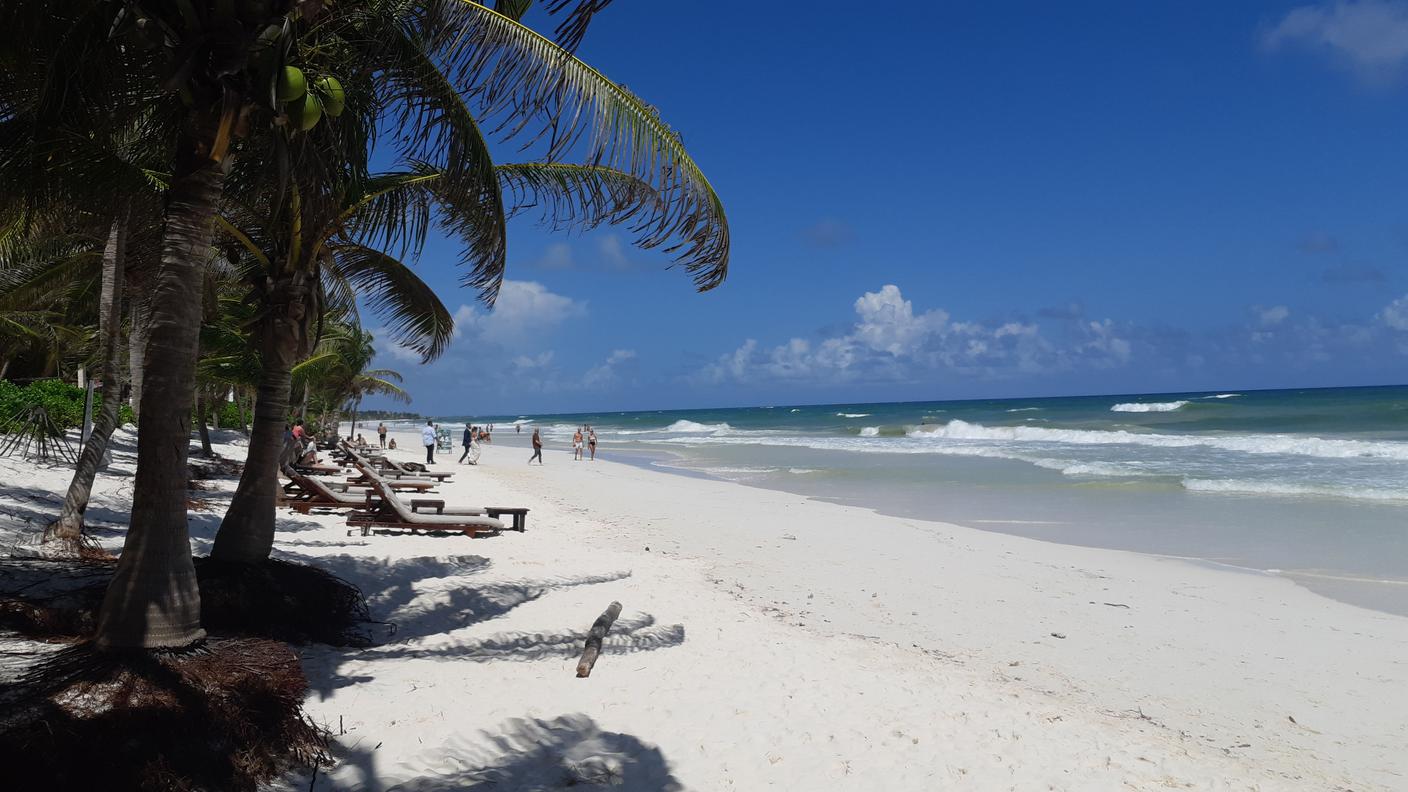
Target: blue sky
<point>997,199</point>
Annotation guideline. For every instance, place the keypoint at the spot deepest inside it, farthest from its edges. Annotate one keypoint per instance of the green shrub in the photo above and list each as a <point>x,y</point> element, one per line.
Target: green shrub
<point>63,402</point>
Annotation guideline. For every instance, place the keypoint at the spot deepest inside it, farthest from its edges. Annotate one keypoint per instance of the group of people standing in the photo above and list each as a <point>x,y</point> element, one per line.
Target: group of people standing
<point>584,441</point>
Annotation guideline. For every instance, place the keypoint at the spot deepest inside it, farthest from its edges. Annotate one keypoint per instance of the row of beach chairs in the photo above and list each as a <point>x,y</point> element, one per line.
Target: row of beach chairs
<point>373,496</point>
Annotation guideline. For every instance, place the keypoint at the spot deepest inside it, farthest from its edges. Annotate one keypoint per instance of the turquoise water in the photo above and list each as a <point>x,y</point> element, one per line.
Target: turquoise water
<point>1310,484</point>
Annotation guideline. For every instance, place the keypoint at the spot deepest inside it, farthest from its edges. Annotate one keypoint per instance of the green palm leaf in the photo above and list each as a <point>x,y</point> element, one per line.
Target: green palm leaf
<point>414,314</point>
<point>515,75</point>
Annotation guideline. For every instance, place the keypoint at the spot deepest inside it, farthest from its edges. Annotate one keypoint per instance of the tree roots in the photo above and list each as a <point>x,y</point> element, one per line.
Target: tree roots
<point>225,715</point>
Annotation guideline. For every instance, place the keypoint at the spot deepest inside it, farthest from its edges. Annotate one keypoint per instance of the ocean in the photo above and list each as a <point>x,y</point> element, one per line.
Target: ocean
<point>1311,485</point>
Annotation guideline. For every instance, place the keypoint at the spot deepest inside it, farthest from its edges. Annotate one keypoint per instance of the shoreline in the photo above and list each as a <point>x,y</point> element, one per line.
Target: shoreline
<point>1225,656</point>
<point>1381,594</point>
<point>769,640</point>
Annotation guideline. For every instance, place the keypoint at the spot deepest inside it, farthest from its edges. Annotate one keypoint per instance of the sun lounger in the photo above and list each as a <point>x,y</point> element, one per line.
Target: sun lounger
<point>317,469</point>
<point>392,512</point>
<point>306,492</point>
<point>394,469</point>
<point>518,513</point>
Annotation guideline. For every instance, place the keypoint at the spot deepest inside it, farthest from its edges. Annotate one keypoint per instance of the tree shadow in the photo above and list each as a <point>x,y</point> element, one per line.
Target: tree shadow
<point>567,752</point>
<point>627,636</point>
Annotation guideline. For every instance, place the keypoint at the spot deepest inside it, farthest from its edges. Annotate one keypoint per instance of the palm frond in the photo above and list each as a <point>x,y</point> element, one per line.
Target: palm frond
<point>411,310</point>
<point>433,126</point>
<point>581,197</point>
<point>515,76</point>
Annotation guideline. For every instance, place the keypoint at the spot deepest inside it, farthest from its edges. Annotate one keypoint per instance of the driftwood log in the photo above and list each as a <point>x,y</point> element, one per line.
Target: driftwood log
<point>592,649</point>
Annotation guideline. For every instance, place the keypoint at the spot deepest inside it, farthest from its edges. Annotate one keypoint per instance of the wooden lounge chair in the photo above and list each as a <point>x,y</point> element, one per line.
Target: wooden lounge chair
<point>317,469</point>
<point>393,469</point>
<point>392,512</point>
<point>306,492</point>
<point>390,469</point>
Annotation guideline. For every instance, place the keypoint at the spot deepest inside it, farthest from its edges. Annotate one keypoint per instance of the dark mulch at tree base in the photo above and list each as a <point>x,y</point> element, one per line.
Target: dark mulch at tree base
<point>58,600</point>
<point>280,599</point>
<point>225,716</point>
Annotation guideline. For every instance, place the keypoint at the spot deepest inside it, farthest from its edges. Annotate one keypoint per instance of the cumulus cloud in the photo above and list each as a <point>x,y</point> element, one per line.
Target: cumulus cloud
<point>1270,317</point>
<point>607,373</point>
<point>1395,314</point>
<point>525,310</point>
<point>892,341</point>
<point>1369,36</point>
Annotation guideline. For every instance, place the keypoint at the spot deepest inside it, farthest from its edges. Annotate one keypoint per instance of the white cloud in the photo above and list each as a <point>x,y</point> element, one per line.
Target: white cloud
<point>891,341</point>
<point>1270,317</point>
<point>1395,314</point>
<point>538,362</point>
<point>558,256</point>
<point>524,311</point>
<point>613,253</point>
<point>1371,36</point>
<point>605,374</point>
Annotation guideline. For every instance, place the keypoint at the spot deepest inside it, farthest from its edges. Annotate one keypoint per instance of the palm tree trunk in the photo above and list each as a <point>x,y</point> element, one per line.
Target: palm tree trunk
<point>303,408</point>
<point>138,318</point>
<point>69,527</point>
<point>154,600</point>
<point>215,397</point>
<point>239,406</point>
<point>205,448</point>
<point>356,405</point>
<point>246,534</point>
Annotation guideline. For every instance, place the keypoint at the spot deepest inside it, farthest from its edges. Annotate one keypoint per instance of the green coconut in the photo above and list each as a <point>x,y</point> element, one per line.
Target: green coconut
<point>334,98</point>
<point>292,84</point>
<point>304,114</point>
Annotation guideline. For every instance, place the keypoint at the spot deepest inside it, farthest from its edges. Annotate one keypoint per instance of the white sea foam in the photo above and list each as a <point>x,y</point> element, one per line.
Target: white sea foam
<point>1251,487</point>
<point>1223,396</point>
<point>692,427</point>
<point>795,409</point>
<point>1293,445</point>
<point>853,415</point>
<point>1024,409</point>
<point>801,471</point>
<point>870,431</point>
<point>1148,406</point>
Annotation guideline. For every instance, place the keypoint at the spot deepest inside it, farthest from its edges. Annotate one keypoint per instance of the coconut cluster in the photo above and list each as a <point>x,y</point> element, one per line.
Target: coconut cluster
<point>304,104</point>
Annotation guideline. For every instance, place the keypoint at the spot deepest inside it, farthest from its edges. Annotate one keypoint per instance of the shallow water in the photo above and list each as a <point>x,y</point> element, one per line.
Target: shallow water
<point>1310,484</point>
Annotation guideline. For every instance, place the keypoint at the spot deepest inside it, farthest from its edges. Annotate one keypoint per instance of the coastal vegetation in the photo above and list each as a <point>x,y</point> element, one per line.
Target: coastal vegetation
<point>192,182</point>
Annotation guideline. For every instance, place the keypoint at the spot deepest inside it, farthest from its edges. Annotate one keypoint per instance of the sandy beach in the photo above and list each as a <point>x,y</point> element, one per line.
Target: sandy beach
<point>769,641</point>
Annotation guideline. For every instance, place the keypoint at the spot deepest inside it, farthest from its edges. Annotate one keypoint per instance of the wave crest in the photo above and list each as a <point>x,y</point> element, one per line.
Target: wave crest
<point>693,427</point>
<point>1148,406</point>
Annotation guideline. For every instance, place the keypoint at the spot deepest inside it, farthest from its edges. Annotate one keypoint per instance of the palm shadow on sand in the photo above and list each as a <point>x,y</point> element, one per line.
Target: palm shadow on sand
<point>566,752</point>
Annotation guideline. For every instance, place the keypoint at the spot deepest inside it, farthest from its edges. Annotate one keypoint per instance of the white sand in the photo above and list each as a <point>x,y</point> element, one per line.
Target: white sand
<point>772,642</point>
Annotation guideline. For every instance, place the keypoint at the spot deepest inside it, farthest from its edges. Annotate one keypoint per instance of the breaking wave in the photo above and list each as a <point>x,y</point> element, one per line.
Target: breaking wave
<point>1293,445</point>
<point>1135,407</point>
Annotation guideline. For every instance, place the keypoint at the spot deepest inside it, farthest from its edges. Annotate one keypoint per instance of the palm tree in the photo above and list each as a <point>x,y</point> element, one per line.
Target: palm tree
<point>328,225</point>
<point>424,73</point>
<point>68,528</point>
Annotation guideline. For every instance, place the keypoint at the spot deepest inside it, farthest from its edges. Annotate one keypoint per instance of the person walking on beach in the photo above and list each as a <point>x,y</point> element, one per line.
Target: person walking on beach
<point>427,439</point>
<point>591,441</point>
<point>381,434</point>
<point>577,445</point>
<point>537,448</point>
<point>468,442</point>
